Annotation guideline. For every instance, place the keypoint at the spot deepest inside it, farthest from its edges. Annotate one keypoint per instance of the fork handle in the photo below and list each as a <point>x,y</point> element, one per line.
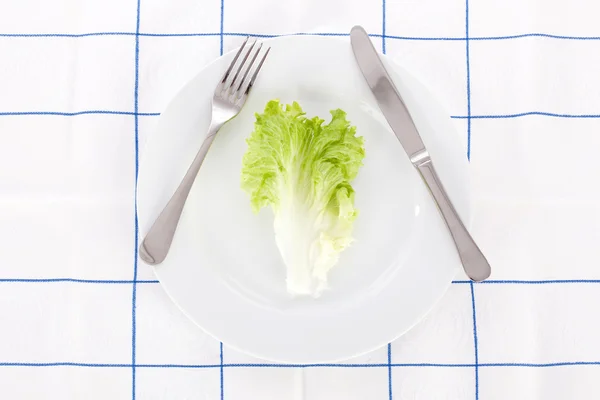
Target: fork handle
<point>474,262</point>
<point>156,244</point>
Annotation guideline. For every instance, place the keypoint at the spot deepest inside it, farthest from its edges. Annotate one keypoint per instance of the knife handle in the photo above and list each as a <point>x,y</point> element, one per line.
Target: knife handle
<point>474,262</point>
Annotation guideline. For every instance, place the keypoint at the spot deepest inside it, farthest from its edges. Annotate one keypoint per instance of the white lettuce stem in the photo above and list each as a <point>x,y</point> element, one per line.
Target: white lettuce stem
<point>297,236</point>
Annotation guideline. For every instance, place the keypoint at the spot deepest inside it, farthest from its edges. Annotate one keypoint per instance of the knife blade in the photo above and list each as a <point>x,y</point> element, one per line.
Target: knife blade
<point>398,116</point>
<point>391,104</point>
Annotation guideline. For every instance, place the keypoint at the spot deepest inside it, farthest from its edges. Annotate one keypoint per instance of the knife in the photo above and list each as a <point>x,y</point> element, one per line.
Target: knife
<point>393,108</point>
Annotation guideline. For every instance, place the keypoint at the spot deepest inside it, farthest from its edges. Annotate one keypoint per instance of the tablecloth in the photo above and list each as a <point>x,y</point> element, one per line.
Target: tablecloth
<point>82,84</point>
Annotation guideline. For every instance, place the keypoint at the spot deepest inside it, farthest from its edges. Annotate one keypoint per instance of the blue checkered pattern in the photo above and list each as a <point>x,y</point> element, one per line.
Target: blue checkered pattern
<point>472,373</point>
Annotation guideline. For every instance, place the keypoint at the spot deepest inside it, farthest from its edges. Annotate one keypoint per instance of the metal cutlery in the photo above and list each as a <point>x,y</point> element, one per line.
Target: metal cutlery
<point>228,99</point>
<point>395,111</point>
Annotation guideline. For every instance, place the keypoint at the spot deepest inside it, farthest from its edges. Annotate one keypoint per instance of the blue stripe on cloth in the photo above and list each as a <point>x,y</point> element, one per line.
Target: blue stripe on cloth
<point>73,280</point>
<point>325,365</point>
<point>341,365</point>
<point>525,114</point>
<point>62,364</point>
<point>475,342</point>
<point>389,358</point>
<point>468,80</point>
<point>136,232</point>
<point>541,365</point>
<point>157,114</point>
<point>109,281</point>
<point>207,34</point>
<point>221,369</point>
<point>222,22</point>
<point>396,37</point>
<point>180,366</point>
<point>75,113</point>
<point>269,35</point>
<point>64,35</point>
<point>251,365</point>
<point>383,26</point>
<point>339,34</point>
<point>536,35</point>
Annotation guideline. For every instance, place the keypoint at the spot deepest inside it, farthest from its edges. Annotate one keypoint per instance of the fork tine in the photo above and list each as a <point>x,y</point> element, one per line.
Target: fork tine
<point>226,74</point>
<point>239,69</point>
<point>253,79</point>
<point>248,69</point>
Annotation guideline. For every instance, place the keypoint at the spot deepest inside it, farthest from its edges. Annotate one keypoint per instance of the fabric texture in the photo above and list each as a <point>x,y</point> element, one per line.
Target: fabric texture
<point>82,85</point>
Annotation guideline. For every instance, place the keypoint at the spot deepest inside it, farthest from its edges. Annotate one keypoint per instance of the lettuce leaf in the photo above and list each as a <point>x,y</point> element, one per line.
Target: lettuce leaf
<point>303,170</point>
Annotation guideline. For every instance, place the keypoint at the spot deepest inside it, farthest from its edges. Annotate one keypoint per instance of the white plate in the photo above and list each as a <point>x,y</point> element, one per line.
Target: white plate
<point>224,270</point>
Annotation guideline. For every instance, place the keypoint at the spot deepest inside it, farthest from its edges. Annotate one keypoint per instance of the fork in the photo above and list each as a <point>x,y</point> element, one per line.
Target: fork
<point>229,98</point>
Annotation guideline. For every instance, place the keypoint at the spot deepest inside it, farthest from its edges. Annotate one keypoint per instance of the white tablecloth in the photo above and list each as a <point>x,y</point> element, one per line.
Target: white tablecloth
<point>81,85</point>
